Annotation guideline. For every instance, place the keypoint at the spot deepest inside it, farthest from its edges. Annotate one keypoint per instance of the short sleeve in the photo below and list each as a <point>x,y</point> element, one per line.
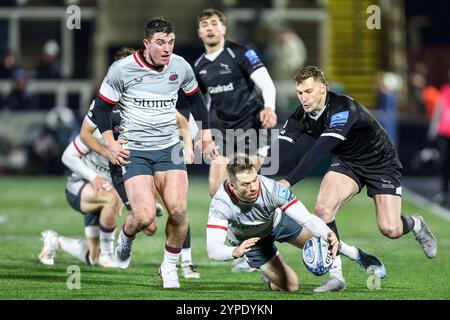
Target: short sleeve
<point>249,60</point>
<point>112,86</point>
<point>339,122</point>
<point>189,84</point>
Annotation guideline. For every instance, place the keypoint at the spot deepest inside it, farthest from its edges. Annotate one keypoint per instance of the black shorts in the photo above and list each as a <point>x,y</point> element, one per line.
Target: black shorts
<point>383,180</point>
<point>119,185</point>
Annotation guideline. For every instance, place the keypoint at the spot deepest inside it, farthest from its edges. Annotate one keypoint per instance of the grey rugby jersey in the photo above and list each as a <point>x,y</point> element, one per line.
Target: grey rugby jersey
<point>245,220</point>
<point>147,99</point>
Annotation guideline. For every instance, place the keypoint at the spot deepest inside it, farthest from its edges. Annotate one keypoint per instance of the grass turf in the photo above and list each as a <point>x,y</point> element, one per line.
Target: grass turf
<point>31,205</point>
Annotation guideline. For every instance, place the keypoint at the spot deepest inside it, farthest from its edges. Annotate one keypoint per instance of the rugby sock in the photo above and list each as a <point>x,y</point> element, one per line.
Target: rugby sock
<point>336,268</point>
<point>349,251</point>
<point>187,240</point>
<point>171,256</point>
<point>125,236</point>
<point>333,227</point>
<point>186,257</point>
<point>75,247</point>
<point>107,236</point>
<point>409,223</point>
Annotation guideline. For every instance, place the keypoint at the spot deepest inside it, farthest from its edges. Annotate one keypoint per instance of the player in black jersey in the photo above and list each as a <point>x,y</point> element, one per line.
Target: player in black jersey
<point>229,74</point>
<point>364,156</point>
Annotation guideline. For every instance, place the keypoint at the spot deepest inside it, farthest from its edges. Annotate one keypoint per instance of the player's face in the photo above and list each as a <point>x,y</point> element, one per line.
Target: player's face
<point>211,31</point>
<point>312,95</point>
<point>159,48</point>
<point>247,186</point>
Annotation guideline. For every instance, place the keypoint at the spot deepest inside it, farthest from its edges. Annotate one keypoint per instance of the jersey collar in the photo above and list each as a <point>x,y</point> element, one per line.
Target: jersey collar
<point>212,56</point>
<point>140,60</point>
<point>316,117</point>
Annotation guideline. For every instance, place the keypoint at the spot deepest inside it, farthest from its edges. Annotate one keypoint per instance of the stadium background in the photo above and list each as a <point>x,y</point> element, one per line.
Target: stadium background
<point>412,42</point>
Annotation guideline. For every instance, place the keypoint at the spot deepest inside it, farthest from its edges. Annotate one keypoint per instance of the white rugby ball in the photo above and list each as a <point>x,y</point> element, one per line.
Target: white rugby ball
<point>317,256</point>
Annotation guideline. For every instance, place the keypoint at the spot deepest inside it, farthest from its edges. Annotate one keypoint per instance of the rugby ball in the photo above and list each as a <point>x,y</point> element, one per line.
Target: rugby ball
<point>317,256</point>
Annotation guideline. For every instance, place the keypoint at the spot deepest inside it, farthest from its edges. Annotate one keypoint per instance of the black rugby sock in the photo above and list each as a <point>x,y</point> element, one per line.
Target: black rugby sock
<point>408,223</point>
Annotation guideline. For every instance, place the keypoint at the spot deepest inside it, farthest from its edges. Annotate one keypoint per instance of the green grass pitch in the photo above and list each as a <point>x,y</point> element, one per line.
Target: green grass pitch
<point>31,205</point>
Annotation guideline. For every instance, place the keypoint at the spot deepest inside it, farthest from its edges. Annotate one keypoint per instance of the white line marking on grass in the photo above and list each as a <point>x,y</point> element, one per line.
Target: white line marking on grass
<point>434,208</point>
<point>3,218</point>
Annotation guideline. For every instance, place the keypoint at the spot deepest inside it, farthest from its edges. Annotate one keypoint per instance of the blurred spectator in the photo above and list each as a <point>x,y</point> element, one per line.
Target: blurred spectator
<point>430,99</point>
<point>50,67</point>
<point>46,149</point>
<point>388,85</point>
<point>288,53</point>
<point>20,98</point>
<point>8,65</point>
<point>440,128</point>
<point>417,82</point>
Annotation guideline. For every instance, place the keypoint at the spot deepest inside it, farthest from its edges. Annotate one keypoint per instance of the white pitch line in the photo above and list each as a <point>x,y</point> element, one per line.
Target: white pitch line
<point>422,201</point>
<point>3,218</point>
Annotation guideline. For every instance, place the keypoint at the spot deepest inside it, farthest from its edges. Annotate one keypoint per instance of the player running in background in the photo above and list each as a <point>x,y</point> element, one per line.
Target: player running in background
<point>145,85</point>
<point>229,74</point>
<point>89,190</point>
<point>364,156</point>
<point>252,211</point>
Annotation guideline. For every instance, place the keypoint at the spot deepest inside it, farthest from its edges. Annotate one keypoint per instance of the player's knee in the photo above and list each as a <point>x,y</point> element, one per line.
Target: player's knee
<point>178,213</point>
<point>324,212</point>
<point>143,217</point>
<point>391,232</point>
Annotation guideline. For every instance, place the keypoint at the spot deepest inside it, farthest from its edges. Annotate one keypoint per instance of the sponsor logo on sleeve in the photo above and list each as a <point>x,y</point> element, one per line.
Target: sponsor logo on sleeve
<point>339,119</point>
<point>252,57</point>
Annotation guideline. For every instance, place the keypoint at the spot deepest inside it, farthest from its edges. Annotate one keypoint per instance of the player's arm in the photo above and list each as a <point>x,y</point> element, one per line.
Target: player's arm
<point>216,233</point>
<point>264,82</point>
<point>298,212</point>
<point>310,160</point>
<point>185,132</point>
<point>86,136</point>
<point>72,159</point>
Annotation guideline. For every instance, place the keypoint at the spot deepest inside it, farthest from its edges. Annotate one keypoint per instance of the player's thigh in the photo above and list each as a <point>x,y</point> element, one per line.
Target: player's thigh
<point>172,185</point>
<point>388,209</point>
<point>335,190</point>
<point>280,273</point>
<point>141,193</point>
<point>302,237</point>
<point>90,201</point>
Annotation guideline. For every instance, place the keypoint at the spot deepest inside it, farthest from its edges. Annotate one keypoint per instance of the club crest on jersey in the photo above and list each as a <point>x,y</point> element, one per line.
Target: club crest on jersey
<point>173,77</point>
<point>339,119</point>
<point>226,68</point>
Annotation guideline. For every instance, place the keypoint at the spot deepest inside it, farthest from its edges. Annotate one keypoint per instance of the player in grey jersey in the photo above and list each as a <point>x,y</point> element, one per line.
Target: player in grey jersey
<point>252,211</point>
<point>145,85</point>
<point>89,191</point>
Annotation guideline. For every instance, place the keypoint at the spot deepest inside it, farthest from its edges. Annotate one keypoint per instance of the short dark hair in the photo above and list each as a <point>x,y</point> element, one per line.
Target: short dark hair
<point>208,13</point>
<point>157,25</point>
<point>239,163</point>
<point>123,52</point>
<point>308,72</point>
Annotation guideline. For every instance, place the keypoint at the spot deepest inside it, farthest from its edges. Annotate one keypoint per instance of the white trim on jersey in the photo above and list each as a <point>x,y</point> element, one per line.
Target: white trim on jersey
<point>212,56</point>
<point>264,82</point>
<point>286,138</point>
<point>335,135</point>
<point>72,159</point>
